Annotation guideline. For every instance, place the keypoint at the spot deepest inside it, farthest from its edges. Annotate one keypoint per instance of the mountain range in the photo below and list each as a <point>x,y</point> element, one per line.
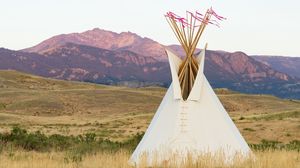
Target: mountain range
<point>288,65</point>
<point>101,56</point>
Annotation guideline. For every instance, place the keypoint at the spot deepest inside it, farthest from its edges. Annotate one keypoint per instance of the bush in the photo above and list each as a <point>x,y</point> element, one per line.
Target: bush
<point>1,147</point>
<point>60,142</point>
<point>131,143</point>
<point>88,137</point>
<point>249,129</point>
<point>81,144</point>
<point>293,145</point>
<point>275,145</point>
<point>35,141</point>
<point>241,118</point>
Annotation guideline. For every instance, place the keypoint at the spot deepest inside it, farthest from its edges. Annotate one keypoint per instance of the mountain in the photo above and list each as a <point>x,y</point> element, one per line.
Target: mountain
<point>239,72</point>
<point>86,63</point>
<point>289,65</point>
<point>236,71</point>
<point>27,62</point>
<point>106,40</point>
<point>237,66</point>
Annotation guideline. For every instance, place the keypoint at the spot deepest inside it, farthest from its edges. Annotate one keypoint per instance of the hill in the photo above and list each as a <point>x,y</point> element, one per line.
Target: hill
<point>71,108</point>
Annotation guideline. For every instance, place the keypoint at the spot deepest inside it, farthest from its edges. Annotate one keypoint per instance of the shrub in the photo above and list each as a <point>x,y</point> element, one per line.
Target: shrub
<point>34,141</point>
<point>81,144</point>
<point>131,143</point>
<point>241,118</point>
<point>249,129</point>
<point>60,142</point>
<point>293,145</point>
<point>275,145</point>
<point>88,137</point>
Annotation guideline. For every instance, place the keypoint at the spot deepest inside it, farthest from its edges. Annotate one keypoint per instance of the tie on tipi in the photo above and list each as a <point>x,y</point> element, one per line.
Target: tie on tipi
<point>190,120</point>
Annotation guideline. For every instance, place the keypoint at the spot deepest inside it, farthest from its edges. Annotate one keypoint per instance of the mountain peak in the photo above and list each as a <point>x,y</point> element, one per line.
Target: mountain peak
<point>105,39</point>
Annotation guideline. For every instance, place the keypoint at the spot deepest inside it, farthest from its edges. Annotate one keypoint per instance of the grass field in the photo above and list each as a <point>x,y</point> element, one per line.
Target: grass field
<point>72,108</point>
<point>118,113</point>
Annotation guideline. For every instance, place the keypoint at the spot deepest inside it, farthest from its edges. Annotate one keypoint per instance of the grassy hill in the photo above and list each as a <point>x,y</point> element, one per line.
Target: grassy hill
<point>72,108</point>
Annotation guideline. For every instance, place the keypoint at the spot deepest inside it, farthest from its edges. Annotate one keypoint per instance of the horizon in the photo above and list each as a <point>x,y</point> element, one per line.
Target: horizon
<point>267,37</point>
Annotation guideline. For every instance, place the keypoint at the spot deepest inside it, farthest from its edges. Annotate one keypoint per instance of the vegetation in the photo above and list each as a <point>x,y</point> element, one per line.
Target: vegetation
<point>37,141</point>
<point>279,116</point>
<point>78,149</point>
<point>267,145</point>
<point>21,159</point>
<point>90,144</point>
<point>116,113</point>
<point>73,124</point>
<point>75,146</point>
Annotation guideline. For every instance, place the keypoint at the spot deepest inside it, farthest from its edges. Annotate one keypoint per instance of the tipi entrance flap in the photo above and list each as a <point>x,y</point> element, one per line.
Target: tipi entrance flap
<point>198,84</point>
<point>175,62</point>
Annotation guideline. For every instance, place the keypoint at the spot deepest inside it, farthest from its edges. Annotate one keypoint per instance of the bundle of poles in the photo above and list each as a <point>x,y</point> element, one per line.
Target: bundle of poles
<point>188,31</point>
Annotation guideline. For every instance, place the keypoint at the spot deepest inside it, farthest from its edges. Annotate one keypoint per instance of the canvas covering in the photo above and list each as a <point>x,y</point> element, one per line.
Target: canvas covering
<point>196,126</point>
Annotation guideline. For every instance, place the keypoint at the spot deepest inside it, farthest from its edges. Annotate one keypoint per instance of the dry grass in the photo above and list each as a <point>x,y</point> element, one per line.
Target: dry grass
<point>73,108</point>
<point>20,159</point>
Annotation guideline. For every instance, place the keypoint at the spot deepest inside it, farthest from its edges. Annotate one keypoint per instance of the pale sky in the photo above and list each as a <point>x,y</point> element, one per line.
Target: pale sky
<point>269,27</point>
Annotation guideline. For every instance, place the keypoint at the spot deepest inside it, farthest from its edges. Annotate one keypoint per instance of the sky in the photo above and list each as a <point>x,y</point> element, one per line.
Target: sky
<point>264,27</point>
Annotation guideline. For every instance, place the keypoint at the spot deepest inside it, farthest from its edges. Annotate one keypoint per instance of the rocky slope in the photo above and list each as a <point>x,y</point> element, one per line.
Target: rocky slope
<point>86,63</point>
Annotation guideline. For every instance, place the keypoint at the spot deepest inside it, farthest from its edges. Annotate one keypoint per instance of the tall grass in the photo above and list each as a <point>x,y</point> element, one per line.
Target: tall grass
<point>25,159</point>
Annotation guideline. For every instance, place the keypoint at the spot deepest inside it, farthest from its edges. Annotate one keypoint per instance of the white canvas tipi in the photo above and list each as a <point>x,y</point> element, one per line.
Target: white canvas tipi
<point>190,120</point>
<point>197,125</point>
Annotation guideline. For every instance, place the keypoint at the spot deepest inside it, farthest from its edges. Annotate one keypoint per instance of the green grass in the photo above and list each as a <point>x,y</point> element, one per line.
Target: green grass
<point>279,116</point>
<point>276,145</point>
<point>2,106</point>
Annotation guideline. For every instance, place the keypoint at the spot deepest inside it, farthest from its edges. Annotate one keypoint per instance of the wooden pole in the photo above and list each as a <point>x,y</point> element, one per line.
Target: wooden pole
<point>188,39</point>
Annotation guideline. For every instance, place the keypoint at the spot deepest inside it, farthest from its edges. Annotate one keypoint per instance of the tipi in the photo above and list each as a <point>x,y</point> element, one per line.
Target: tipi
<point>190,118</point>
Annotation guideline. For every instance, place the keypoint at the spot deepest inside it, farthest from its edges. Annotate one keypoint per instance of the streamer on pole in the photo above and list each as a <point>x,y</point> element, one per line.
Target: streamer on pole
<point>188,31</point>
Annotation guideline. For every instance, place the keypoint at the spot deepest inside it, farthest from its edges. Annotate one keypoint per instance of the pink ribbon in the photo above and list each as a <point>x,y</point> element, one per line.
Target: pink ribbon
<point>177,18</point>
<point>198,16</point>
<point>216,15</point>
